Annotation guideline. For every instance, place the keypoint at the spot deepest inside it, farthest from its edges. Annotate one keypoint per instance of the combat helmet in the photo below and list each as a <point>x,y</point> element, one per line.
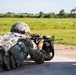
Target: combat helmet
<point>20,27</point>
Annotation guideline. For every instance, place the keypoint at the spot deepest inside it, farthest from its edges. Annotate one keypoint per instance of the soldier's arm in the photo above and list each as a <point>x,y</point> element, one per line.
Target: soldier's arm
<point>37,55</point>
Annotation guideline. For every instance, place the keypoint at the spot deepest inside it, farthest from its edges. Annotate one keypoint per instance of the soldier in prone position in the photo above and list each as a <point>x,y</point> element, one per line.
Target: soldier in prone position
<point>16,45</point>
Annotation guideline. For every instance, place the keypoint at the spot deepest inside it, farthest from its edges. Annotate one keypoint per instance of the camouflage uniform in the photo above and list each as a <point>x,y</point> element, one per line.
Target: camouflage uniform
<point>15,45</point>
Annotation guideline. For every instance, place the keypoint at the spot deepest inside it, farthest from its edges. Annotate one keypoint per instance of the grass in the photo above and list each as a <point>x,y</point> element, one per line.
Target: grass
<point>68,35</point>
<point>61,28</point>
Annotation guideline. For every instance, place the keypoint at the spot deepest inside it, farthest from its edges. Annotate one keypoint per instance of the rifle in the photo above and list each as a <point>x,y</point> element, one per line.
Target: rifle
<point>47,44</point>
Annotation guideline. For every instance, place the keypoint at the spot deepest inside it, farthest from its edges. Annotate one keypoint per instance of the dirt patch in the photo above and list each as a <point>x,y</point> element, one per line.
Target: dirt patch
<point>65,51</point>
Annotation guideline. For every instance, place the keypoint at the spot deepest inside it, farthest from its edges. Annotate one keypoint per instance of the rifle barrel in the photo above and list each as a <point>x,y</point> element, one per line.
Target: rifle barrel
<point>58,39</point>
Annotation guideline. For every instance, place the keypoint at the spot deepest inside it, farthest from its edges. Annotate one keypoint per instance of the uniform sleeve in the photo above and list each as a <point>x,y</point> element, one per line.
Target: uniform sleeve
<point>37,55</point>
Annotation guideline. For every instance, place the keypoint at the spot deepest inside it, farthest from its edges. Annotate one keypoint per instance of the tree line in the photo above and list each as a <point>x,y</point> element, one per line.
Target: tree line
<point>61,14</point>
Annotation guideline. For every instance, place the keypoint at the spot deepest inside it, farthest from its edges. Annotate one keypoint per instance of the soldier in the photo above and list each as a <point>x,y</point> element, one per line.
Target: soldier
<point>15,45</point>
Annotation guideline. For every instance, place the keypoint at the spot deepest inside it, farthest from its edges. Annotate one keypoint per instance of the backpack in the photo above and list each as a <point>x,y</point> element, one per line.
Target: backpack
<point>12,50</point>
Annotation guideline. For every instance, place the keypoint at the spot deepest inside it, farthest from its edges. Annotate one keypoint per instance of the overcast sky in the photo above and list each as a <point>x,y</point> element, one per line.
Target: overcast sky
<point>35,6</point>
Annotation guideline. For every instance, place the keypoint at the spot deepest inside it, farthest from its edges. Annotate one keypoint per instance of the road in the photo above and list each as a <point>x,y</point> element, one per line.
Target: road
<point>64,63</point>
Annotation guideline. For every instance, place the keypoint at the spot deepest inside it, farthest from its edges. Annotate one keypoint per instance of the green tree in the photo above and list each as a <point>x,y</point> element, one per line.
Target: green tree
<point>41,15</point>
<point>62,14</point>
<point>73,10</point>
<point>50,15</point>
<point>73,13</point>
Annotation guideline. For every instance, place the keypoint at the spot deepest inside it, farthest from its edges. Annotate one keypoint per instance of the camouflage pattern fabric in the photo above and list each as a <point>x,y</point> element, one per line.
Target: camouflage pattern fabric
<point>18,54</point>
<point>20,27</point>
<point>14,50</point>
<point>37,55</point>
<point>14,47</point>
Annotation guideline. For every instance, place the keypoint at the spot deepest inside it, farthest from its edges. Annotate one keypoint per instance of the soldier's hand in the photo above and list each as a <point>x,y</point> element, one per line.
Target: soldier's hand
<point>40,44</point>
<point>34,45</point>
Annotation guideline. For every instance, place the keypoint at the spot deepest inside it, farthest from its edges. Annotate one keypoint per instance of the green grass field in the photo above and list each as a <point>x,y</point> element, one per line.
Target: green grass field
<point>61,28</point>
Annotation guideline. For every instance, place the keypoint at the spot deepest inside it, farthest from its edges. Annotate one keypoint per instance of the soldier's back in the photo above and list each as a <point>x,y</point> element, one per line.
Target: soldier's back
<point>14,51</point>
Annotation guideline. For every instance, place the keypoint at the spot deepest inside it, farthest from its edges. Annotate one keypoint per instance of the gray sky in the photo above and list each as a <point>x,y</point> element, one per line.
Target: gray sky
<point>35,6</point>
